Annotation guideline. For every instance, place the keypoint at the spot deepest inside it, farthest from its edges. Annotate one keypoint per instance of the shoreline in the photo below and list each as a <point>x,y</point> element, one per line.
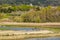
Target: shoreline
<point>30,24</point>
<point>16,23</point>
<point>23,34</point>
<point>30,36</point>
<point>10,34</point>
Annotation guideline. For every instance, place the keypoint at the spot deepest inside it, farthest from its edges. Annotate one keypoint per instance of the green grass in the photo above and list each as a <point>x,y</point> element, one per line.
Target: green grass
<point>3,29</point>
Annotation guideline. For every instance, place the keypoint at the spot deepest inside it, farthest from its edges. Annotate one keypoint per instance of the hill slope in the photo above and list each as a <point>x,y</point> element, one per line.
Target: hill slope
<point>34,2</point>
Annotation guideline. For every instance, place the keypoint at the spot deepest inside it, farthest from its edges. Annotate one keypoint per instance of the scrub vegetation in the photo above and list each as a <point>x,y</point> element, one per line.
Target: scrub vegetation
<point>28,13</point>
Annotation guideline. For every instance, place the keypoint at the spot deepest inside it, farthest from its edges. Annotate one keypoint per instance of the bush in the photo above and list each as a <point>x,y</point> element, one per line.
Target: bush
<point>25,7</point>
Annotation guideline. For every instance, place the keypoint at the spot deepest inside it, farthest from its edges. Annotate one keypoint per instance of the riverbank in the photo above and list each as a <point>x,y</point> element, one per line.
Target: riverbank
<point>51,30</point>
<point>30,24</point>
<point>10,32</point>
<point>23,34</point>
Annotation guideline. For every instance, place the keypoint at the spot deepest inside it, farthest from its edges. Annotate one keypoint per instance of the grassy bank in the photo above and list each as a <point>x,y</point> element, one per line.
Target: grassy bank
<point>48,26</point>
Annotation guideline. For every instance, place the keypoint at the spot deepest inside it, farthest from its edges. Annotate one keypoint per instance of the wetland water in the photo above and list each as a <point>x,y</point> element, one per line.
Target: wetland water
<point>49,38</point>
<point>19,28</point>
<point>28,29</point>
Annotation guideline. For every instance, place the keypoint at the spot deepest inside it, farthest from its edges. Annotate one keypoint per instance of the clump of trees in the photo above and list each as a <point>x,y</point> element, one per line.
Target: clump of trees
<point>27,13</point>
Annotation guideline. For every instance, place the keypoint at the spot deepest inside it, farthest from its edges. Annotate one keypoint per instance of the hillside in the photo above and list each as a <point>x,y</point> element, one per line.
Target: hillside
<point>34,2</point>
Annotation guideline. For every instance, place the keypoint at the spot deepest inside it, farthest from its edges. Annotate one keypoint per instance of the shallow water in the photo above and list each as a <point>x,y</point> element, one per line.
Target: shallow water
<point>28,29</point>
<point>49,38</point>
<point>19,28</point>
